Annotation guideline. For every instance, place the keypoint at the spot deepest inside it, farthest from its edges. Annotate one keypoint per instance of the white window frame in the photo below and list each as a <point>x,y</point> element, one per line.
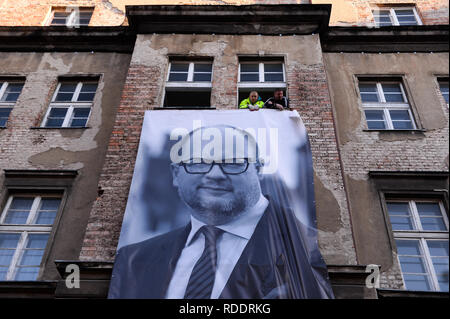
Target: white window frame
<point>24,230</point>
<point>387,106</point>
<point>71,20</point>
<point>189,83</point>
<point>262,83</point>
<point>69,105</point>
<point>422,236</point>
<point>393,14</point>
<point>3,88</point>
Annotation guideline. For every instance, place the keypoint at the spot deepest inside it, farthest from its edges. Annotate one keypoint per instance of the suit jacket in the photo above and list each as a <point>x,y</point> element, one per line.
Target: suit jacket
<point>275,263</point>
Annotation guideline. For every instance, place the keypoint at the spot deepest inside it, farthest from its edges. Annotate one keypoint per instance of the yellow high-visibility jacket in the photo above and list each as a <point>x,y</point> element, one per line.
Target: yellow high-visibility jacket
<point>245,104</point>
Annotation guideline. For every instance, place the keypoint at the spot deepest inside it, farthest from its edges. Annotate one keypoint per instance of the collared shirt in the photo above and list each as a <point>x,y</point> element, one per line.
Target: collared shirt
<point>229,248</point>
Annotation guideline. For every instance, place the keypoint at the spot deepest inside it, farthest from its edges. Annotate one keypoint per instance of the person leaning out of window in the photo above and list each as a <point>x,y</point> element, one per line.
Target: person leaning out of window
<point>253,102</point>
<point>277,101</point>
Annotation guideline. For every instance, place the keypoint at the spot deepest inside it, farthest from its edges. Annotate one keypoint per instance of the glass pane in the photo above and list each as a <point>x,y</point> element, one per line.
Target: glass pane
<point>50,204</point>
<point>16,217</point>
<point>45,218</point>
<point>417,282</point>
<point>408,247</point>
<point>392,93</point>
<point>376,125</point>
<point>404,12</point>
<point>273,77</point>
<point>372,115</point>
<point>31,257</point>
<point>54,122</point>
<point>401,223</point>
<point>12,92</point>
<point>438,248</point>
<point>6,256</point>
<point>400,216</point>
<point>78,123</point>
<point>27,273</point>
<point>273,68</point>
<point>9,240</point>
<point>368,92</point>
<point>3,271</point>
<point>89,87</point>
<point>399,115</point>
<point>179,67</point>
<point>443,282</point>
<point>178,77</point>
<point>250,77</point>
<point>400,208</point>
<point>58,112</point>
<point>433,223</point>
<point>444,90</point>
<point>428,209</point>
<point>14,88</point>
<point>22,203</point>
<point>201,67</point>
<point>248,67</point>
<point>3,121</point>
<point>66,91</point>
<point>81,112</point>
<point>86,97</point>
<point>5,111</point>
<point>440,266</point>
<point>37,241</point>
<point>19,210</point>
<point>412,264</point>
<point>402,125</point>
<point>202,77</point>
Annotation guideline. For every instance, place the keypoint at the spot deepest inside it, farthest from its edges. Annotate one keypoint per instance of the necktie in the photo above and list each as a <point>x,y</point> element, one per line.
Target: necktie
<point>201,282</point>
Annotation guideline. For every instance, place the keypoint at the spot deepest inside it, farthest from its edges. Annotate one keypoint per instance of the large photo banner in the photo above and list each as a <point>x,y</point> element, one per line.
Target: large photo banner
<point>221,205</point>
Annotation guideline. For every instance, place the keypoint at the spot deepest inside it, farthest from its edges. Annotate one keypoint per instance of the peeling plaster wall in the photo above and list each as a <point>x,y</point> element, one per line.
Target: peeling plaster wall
<point>363,150</point>
<point>144,89</point>
<point>23,145</point>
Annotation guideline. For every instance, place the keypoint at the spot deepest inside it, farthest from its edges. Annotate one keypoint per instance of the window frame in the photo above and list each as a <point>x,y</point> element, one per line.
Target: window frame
<point>71,16</point>
<point>29,228</point>
<point>393,15</point>
<point>418,234</point>
<point>384,106</point>
<point>189,83</point>
<point>8,105</point>
<point>261,83</point>
<point>70,105</point>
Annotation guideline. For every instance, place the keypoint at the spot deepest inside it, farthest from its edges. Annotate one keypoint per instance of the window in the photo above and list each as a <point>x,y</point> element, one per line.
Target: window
<point>386,106</point>
<point>25,227</point>
<point>71,104</point>
<point>71,16</point>
<point>396,16</point>
<point>263,76</point>
<point>9,93</point>
<point>443,86</point>
<point>420,230</point>
<point>188,84</point>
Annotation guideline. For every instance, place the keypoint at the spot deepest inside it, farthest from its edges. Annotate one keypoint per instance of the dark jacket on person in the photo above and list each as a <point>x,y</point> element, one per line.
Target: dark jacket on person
<point>275,263</point>
<point>284,101</point>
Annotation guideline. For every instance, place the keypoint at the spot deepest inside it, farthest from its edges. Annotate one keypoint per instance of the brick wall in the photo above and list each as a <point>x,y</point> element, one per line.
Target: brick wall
<point>143,90</point>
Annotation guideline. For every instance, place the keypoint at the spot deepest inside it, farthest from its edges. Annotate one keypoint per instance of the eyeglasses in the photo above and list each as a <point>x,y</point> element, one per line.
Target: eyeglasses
<point>227,168</point>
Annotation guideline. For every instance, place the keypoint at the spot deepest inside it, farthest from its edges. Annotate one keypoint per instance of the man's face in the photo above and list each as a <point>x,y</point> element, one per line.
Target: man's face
<point>253,97</point>
<point>216,197</point>
<point>278,95</point>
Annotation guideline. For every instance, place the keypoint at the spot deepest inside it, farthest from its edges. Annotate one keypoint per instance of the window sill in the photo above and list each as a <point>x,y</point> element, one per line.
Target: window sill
<point>59,128</point>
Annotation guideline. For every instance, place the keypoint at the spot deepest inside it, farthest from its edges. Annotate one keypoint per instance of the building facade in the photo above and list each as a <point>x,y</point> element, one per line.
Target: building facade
<point>369,79</point>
